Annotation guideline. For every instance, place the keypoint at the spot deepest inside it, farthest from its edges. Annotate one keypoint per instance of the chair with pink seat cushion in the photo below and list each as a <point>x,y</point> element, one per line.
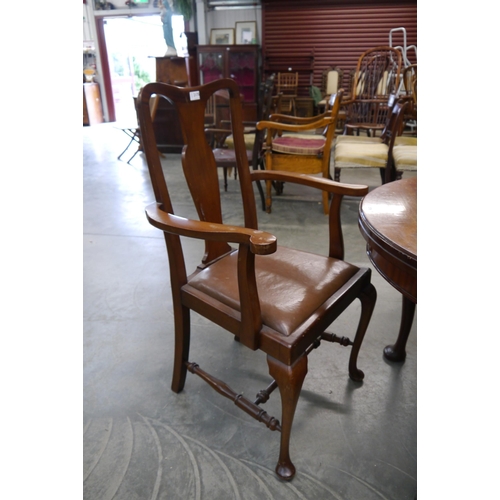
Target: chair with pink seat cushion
<point>294,145</point>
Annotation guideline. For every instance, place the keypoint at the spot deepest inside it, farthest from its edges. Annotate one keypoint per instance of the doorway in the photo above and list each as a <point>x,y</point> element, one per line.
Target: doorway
<point>132,43</point>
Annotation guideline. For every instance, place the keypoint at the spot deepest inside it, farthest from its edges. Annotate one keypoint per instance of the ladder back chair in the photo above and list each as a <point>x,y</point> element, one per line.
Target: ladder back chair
<point>286,88</point>
<point>274,299</point>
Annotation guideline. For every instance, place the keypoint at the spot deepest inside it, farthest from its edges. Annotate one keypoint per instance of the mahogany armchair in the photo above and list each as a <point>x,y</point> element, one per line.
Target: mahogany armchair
<point>292,145</point>
<point>274,299</point>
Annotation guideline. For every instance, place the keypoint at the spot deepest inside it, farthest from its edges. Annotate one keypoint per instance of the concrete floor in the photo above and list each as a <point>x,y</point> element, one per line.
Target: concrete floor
<point>141,441</point>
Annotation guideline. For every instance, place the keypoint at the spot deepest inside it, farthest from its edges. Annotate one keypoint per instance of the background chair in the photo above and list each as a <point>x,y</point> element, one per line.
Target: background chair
<point>274,299</point>
<point>331,82</point>
<point>133,131</point>
<point>410,95</point>
<point>404,157</point>
<point>221,140</point>
<point>376,77</point>
<point>286,88</point>
<point>297,151</point>
<point>370,152</point>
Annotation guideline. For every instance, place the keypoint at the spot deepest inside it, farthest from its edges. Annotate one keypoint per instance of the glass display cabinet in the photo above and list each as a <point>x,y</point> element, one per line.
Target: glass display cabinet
<point>239,62</point>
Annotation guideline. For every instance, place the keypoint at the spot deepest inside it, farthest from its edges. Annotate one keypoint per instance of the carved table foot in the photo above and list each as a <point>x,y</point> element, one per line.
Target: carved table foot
<point>397,351</point>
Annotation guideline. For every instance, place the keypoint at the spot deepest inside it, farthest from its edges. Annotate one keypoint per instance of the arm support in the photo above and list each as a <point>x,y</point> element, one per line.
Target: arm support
<point>259,242</point>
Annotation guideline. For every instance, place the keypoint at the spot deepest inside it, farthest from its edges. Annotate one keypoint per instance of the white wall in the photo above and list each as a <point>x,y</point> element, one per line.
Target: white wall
<point>228,18</point>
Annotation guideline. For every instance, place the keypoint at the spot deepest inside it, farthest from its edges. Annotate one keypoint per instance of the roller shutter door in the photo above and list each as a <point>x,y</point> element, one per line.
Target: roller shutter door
<point>336,32</point>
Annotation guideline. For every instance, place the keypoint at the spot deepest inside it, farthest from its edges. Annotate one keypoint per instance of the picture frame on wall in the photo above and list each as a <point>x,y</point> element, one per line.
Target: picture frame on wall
<point>222,36</point>
<point>246,33</point>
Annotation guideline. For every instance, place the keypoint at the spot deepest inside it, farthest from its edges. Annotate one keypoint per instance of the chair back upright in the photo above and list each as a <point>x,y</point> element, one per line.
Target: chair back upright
<point>198,162</point>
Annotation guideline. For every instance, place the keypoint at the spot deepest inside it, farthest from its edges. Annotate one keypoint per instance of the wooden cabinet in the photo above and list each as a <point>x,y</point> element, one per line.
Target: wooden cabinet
<point>174,71</point>
<point>92,106</point>
<point>239,62</point>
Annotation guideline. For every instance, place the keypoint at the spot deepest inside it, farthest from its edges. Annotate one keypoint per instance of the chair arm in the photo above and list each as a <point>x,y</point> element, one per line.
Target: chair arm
<point>217,136</point>
<point>339,190</point>
<point>328,185</point>
<point>321,123</point>
<point>298,120</point>
<point>259,242</point>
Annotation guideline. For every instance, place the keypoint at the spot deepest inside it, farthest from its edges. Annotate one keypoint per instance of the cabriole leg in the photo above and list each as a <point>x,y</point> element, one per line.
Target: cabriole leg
<point>368,299</point>
<point>289,380</point>
<point>397,352</point>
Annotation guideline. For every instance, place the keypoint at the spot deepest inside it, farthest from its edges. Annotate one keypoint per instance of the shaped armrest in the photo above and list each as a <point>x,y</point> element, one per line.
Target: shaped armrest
<point>339,190</point>
<point>298,120</point>
<point>274,125</point>
<point>259,242</point>
<point>321,183</point>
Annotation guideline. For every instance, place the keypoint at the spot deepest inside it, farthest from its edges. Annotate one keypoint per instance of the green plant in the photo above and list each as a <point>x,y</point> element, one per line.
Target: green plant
<point>184,7</point>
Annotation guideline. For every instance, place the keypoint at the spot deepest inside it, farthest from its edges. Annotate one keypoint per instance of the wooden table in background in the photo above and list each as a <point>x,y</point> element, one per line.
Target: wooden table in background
<point>388,222</point>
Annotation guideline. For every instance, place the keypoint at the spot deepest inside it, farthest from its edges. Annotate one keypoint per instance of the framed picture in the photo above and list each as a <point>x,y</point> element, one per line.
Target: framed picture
<point>222,36</point>
<point>246,33</point>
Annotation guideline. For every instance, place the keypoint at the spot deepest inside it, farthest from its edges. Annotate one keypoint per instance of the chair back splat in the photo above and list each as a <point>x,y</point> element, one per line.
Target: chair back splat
<point>274,299</point>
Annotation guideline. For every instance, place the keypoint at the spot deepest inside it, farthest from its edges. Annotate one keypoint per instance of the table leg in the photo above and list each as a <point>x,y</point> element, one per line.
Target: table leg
<point>397,351</point>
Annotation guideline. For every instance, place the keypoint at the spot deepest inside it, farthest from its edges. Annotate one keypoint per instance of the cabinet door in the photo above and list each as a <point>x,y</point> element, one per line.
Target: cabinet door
<point>211,64</point>
<point>242,66</point>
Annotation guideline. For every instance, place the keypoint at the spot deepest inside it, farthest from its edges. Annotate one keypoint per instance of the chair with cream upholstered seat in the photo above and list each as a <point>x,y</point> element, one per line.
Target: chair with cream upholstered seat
<point>371,152</point>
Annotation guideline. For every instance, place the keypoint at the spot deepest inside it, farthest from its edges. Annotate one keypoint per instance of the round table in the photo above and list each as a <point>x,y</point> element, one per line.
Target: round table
<point>388,222</point>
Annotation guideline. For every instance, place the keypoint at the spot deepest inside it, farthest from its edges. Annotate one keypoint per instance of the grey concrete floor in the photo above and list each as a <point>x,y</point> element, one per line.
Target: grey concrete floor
<point>141,441</point>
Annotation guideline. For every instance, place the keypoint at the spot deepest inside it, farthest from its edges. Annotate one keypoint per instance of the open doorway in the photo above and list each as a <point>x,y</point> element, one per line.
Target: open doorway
<point>132,43</point>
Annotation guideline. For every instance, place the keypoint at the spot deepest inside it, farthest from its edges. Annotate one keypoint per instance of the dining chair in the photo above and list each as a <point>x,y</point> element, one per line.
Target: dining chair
<point>221,140</point>
<point>273,299</point>
<point>331,83</point>
<point>287,85</point>
<point>292,145</point>
<point>371,152</point>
